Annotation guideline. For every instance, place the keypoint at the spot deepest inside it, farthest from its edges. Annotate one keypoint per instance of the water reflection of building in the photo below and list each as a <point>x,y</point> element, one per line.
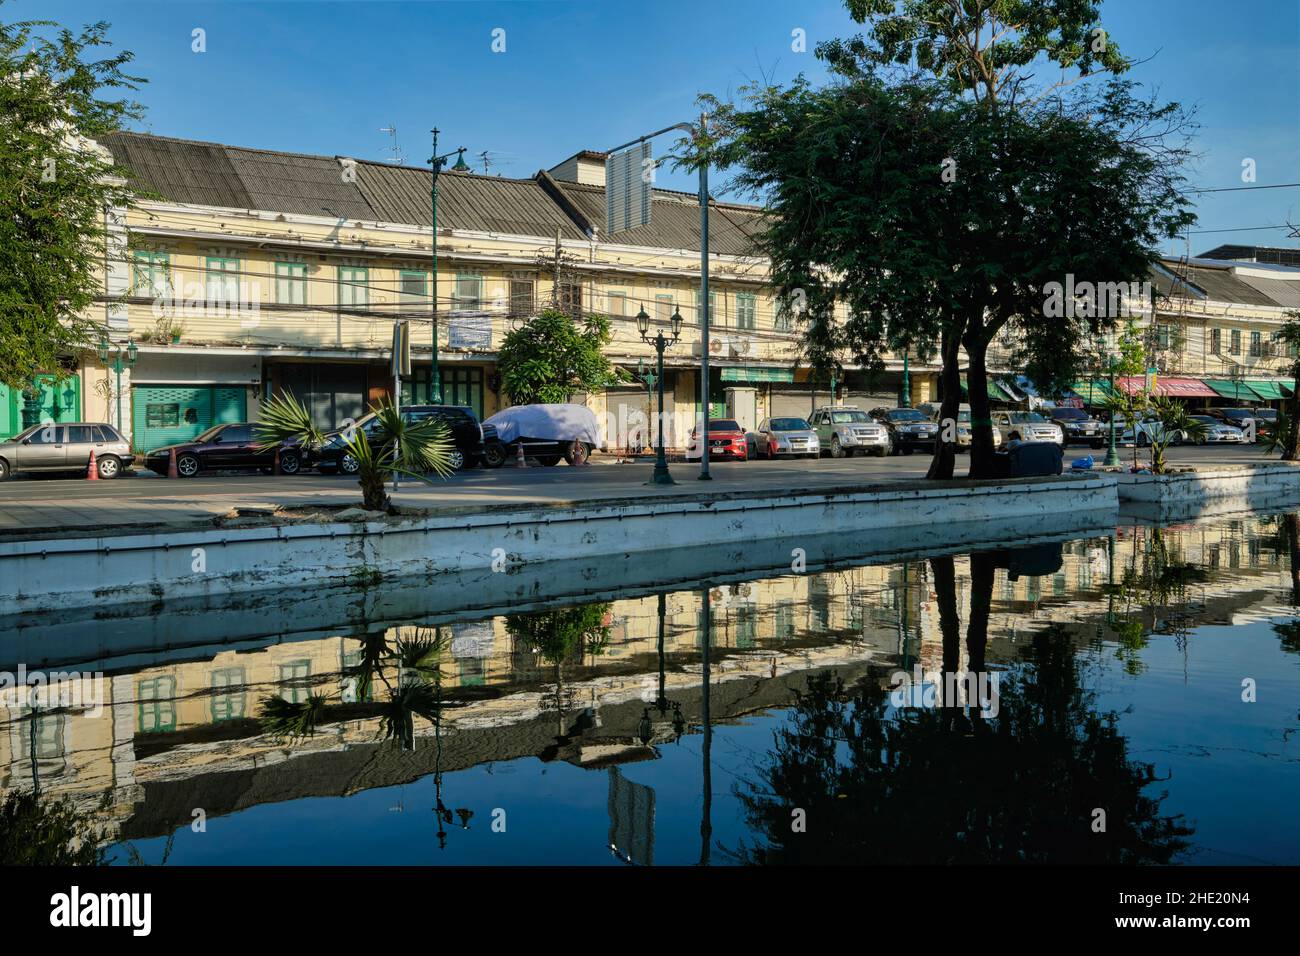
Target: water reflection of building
<point>176,735</point>
<point>631,819</point>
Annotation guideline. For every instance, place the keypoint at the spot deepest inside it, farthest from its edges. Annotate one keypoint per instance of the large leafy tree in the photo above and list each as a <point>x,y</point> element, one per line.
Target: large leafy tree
<point>933,196</point>
<point>552,356</point>
<point>56,187</point>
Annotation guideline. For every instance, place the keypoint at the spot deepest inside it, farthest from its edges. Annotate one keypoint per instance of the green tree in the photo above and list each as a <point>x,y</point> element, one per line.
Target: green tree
<point>552,356</point>
<point>1285,435</point>
<point>939,201</point>
<point>47,832</point>
<point>55,98</point>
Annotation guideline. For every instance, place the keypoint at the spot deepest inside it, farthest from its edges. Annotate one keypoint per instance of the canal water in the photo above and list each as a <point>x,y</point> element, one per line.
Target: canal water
<point>1129,696</point>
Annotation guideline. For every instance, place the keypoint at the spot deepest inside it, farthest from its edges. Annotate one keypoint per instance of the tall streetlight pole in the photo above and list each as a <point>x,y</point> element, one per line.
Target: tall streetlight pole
<point>704,283</point>
<point>1112,453</point>
<point>661,475</point>
<point>436,164</point>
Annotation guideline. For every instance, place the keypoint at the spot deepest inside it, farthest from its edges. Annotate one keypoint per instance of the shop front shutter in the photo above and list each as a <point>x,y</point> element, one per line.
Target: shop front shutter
<point>165,414</point>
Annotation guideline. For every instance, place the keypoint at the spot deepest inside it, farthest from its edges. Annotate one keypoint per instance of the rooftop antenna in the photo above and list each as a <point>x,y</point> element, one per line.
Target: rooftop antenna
<point>487,162</point>
<point>391,130</point>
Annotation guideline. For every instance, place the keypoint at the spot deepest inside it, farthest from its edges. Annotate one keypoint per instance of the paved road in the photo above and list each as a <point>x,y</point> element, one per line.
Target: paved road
<point>146,500</point>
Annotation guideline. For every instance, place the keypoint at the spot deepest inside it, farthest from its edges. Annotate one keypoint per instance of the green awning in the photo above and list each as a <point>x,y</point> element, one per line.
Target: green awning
<point>995,393</point>
<point>1269,391</point>
<point>1234,391</point>
<point>1093,391</point>
<point>757,374</point>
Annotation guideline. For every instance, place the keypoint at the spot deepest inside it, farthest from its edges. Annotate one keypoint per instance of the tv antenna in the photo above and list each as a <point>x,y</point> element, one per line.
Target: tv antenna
<point>391,130</point>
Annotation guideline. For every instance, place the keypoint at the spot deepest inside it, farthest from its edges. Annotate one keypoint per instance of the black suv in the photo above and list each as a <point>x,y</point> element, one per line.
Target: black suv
<point>909,429</point>
<point>467,435</point>
<point>1078,426</point>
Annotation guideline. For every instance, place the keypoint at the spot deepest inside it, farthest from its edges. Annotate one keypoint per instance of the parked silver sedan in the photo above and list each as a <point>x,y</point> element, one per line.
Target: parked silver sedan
<point>781,437</point>
<point>49,447</point>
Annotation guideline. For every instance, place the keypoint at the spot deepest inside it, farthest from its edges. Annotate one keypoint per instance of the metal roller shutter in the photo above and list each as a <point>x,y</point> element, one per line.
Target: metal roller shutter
<point>165,414</point>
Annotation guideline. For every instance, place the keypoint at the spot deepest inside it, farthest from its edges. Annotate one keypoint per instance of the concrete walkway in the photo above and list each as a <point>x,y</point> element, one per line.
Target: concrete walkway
<point>41,506</point>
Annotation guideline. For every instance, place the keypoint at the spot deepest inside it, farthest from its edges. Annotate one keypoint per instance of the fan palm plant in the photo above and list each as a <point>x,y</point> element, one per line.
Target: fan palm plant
<point>399,447</point>
<point>1175,422</point>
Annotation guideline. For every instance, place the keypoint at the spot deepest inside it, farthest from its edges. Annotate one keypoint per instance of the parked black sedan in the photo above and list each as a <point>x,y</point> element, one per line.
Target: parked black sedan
<point>467,436</point>
<point>909,429</point>
<point>221,447</point>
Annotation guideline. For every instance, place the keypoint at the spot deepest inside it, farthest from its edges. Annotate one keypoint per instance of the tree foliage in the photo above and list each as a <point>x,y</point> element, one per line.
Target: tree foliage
<point>55,187</point>
<point>938,208</point>
<point>552,356</point>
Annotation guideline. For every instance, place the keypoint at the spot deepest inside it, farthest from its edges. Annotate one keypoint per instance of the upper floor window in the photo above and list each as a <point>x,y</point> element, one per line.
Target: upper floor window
<point>665,305</point>
<point>291,283</point>
<point>521,297</point>
<point>1216,341</point>
<point>354,287</point>
<point>413,288</point>
<point>469,293</point>
<point>221,279</point>
<point>746,311</point>
<point>616,303</point>
<point>713,303</point>
<point>1256,344</point>
<point>1234,346</point>
<point>152,274</point>
<point>570,298</point>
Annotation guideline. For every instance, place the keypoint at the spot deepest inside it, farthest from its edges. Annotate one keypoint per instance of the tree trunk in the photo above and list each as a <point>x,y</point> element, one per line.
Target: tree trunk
<point>983,571</point>
<point>981,417</point>
<point>945,451</point>
<point>943,573</point>
<point>1293,546</point>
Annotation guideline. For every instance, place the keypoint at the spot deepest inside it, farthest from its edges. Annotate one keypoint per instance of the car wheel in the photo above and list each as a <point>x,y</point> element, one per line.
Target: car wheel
<point>290,463</point>
<point>880,452</point>
<point>1096,445</point>
<point>494,456</point>
<point>456,459</point>
<point>908,449</point>
<point>4,470</point>
<point>348,464</point>
<point>837,450</point>
<point>550,461</point>
<point>187,466</point>
<point>108,467</point>
<point>1143,440</point>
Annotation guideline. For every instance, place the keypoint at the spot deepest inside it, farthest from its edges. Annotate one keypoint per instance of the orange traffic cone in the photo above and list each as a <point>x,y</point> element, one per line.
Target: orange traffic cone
<point>92,473</point>
<point>277,470</point>
<point>171,465</point>
<point>520,460</point>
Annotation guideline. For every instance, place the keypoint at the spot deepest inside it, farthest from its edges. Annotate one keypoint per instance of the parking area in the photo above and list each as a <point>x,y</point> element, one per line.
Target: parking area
<point>146,500</point>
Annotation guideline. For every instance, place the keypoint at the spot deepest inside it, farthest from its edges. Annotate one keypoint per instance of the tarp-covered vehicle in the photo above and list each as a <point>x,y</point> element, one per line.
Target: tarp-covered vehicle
<point>546,432</point>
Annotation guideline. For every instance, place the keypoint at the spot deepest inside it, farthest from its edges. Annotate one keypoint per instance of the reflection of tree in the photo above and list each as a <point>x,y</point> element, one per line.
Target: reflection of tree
<point>47,832</point>
<point>558,637</point>
<point>1153,588</point>
<point>882,787</point>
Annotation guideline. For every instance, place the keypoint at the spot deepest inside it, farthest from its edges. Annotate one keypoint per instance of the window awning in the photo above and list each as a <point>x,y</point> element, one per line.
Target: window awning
<point>756,374</point>
<point>997,391</point>
<point>1169,385</point>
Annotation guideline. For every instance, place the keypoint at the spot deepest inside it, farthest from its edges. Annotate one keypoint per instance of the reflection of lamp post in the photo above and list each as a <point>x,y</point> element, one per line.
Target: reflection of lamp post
<point>115,349</point>
<point>645,729</point>
<point>661,475</point>
<point>1112,453</point>
<point>706,821</point>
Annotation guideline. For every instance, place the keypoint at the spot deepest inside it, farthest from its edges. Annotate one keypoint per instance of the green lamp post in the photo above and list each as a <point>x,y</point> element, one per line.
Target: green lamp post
<point>660,342</point>
<point>123,359</point>
<point>1112,453</point>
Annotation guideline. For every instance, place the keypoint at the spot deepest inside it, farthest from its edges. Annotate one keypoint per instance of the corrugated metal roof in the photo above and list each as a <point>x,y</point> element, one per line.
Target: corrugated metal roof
<point>675,221</point>
<point>1281,291</point>
<point>1219,285</point>
<point>465,201</point>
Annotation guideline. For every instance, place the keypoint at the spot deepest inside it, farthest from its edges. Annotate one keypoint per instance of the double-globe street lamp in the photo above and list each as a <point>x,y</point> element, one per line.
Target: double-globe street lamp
<point>122,359</point>
<point>661,475</point>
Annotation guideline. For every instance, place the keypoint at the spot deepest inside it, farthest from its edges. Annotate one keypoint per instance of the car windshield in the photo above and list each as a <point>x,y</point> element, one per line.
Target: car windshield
<point>1071,414</point>
<point>844,418</point>
<point>207,435</point>
<point>907,415</point>
<point>1021,418</point>
<point>1206,420</point>
<point>787,425</point>
<point>724,425</point>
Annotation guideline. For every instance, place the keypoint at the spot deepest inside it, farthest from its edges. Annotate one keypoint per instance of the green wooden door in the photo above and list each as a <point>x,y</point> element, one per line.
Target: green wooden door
<point>60,401</point>
<point>166,414</point>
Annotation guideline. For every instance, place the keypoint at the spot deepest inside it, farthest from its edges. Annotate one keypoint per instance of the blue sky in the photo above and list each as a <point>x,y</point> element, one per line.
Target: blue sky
<point>323,76</point>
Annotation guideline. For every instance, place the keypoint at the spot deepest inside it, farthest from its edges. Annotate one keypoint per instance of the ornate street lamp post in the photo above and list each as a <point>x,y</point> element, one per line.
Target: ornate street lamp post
<point>436,164</point>
<point>661,475</point>
<point>122,359</point>
<point>1112,453</point>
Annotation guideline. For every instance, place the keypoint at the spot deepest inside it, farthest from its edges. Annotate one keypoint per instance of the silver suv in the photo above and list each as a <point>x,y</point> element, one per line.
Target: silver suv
<point>845,430</point>
<point>51,447</point>
<point>1027,426</point>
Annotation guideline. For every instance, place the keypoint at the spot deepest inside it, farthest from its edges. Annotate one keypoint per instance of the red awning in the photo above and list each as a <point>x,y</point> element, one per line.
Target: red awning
<point>1166,385</point>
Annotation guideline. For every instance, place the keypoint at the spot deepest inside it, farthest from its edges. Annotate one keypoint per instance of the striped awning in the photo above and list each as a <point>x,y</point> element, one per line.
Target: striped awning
<point>997,391</point>
<point>756,374</point>
<point>1093,391</point>
<point>1168,385</point>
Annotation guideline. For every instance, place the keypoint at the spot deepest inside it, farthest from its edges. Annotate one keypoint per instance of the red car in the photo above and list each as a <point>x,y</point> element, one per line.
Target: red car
<point>726,440</point>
